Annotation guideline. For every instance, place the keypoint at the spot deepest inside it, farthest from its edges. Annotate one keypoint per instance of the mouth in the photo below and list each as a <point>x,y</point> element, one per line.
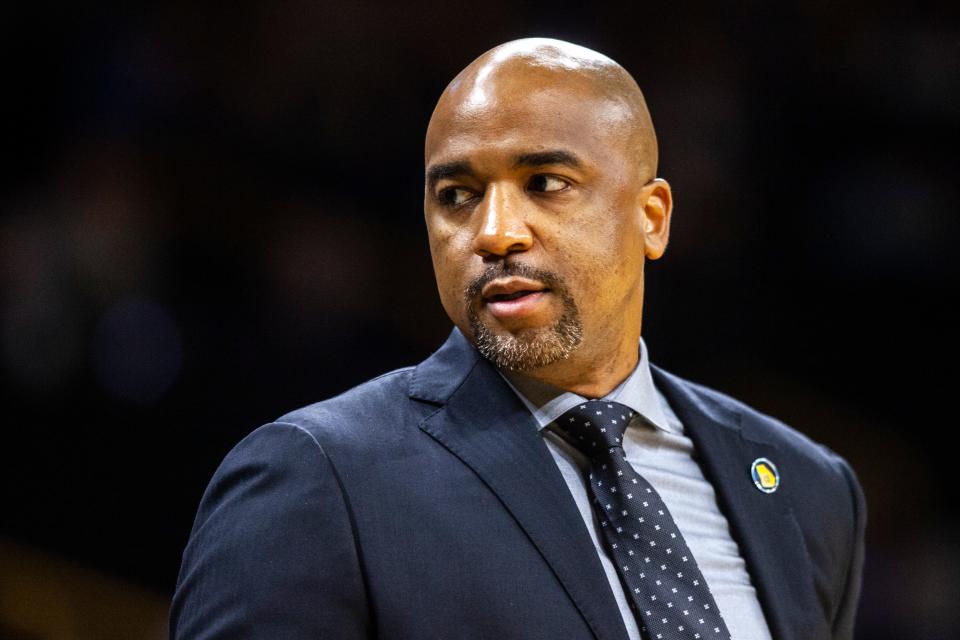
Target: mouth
<point>502,297</point>
<point>513,297</point>
<point>511,289</point>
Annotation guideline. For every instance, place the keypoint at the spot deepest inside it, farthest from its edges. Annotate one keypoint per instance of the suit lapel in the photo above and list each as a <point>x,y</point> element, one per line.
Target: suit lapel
<point>762,524</point>
<point>488,429</point>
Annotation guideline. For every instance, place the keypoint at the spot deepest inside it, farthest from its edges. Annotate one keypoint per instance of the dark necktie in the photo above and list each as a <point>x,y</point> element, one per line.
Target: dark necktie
<point>668,594</point>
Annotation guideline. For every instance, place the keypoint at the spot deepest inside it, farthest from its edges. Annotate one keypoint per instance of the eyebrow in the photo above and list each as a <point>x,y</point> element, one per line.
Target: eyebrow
<point>438,172</point>
<point>552,156</point>
<point>455,168</point>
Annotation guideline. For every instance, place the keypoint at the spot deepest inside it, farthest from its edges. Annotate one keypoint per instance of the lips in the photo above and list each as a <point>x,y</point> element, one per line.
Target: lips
<point>514,298</point>
<point>509,296</point>
<point>510,289</point>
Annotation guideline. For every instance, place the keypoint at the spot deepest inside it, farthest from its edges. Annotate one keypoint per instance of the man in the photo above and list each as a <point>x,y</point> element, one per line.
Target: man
<point>468,497</point>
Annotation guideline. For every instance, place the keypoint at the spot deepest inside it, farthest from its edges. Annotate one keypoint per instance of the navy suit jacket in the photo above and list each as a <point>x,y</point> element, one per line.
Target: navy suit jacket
<point>424,504</point>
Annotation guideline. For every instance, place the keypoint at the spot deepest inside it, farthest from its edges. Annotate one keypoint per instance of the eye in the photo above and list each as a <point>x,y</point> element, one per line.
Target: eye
<point>546,184</point>
<point>454,196</point>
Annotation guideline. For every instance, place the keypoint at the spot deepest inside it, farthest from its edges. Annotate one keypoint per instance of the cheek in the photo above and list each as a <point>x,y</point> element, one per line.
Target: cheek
<point>602,258</point>
<point>448,267</point>
<point>626,265</point>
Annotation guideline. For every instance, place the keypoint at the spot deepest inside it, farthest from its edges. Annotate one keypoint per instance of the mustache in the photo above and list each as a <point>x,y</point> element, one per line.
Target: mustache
<point>519,269</point>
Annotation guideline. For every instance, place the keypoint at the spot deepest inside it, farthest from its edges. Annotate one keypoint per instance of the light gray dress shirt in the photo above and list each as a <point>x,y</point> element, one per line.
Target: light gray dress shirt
<point>658,449</point>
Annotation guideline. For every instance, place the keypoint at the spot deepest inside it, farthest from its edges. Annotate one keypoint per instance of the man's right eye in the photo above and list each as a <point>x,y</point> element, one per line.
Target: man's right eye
<point>454,196</point>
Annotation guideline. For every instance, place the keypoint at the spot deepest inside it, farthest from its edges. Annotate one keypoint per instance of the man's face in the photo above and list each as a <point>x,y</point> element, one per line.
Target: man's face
<point>535,214</point>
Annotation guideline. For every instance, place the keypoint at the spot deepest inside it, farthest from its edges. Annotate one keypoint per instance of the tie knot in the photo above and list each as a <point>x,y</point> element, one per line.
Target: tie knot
<point>595,426</point>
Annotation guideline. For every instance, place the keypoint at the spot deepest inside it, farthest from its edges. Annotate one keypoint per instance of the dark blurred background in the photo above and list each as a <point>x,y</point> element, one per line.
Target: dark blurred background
<point>210,215</point>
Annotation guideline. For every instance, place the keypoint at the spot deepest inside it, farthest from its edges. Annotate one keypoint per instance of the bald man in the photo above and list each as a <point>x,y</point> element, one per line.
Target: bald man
<point>537,476</point>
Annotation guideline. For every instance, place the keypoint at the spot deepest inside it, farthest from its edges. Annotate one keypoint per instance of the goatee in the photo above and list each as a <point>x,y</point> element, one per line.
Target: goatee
<point>528,349</point>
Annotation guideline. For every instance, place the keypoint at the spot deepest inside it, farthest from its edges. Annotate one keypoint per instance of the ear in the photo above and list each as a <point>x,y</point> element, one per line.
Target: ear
<point>656,204</point>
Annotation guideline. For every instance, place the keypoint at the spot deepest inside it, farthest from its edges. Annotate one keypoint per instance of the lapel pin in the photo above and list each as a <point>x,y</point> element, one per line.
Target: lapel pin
<point>765,475</point>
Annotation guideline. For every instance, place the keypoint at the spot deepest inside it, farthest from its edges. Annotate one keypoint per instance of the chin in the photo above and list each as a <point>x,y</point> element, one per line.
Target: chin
<point>528,349</point>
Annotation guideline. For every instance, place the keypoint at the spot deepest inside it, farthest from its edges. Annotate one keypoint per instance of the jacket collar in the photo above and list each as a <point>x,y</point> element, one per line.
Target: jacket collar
<point>435,379</point>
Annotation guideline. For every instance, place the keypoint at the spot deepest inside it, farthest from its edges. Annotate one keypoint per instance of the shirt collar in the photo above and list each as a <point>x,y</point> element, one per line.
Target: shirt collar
<point>547,403</point>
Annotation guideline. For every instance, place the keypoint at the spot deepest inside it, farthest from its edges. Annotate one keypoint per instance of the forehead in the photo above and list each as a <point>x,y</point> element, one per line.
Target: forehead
<point>512,114</point>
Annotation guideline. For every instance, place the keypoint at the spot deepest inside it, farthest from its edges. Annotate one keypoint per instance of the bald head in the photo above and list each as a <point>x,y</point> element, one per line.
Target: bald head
<point>563,74</point>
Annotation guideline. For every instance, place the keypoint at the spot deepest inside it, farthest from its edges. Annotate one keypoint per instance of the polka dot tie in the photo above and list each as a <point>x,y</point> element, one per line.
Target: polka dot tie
<point>668,594</point>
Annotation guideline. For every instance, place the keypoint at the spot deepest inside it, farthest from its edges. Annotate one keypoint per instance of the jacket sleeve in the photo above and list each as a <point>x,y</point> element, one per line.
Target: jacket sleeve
<point>272,552</point>
<point>846,613</point>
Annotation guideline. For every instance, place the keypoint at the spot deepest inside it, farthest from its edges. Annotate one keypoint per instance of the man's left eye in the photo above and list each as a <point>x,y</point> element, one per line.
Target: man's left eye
<point>547,183</point>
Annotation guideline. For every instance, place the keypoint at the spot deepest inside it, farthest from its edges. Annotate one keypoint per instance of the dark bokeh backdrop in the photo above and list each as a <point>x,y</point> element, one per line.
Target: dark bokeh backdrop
<point>211,215</point>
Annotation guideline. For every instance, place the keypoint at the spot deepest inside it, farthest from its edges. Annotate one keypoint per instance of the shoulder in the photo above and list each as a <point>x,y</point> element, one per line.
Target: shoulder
<point>758,426</point>
<point>369,398</point>
<point>376,414</point>
<point>309,446</point>
<point>820,482</point>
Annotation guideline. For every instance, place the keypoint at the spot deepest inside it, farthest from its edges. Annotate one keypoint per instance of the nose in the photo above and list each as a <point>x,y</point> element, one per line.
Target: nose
<point>503,229</point>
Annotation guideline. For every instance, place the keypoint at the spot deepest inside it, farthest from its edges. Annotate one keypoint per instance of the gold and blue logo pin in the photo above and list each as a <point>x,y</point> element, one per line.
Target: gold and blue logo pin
<point>765,475</point>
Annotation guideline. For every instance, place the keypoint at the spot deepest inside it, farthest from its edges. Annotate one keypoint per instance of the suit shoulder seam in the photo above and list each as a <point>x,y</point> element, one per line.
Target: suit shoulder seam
<point>354,531</point>
<point>307,433</point>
